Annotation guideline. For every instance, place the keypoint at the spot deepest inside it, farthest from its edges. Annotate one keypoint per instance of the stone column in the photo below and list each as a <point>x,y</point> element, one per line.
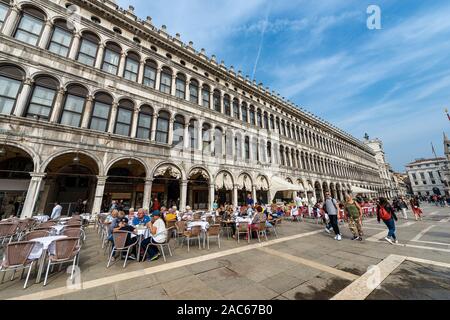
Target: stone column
<point>186,139</point>
<point>147,193</point>
<point>57,109</point>
<point>199,134</point>
<point>23,97</point>
<point>32,194</point>
<point>112,119</point>
<point>154,123</point>
<point>254,193</point>
<point>183,195</point>
<point>74,47</point>
<point>211,196</point>
<point>235,195</point>
<point>186,90</point>
<point>140,78</point>
<point>8,27</point>
<point>213,140</point>
<point>88,111</point>
<point>99,59</point>
<point>211,99</point>
<point>158,79</point>
<point>134,124</point>
<point>123,61</point>
<point>99,191</point>
<point>243,155</point>
<point>174,85</point>
<point>170,136</point>
<point>45,34</point>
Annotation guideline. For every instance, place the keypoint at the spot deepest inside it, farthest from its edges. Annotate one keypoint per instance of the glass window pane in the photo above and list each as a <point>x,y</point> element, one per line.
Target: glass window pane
<point>122,129</point>
<point>166,79</point>
<point>132,66</point>
<point>43,96</point>
<point>88,48</point>
<point>143,133</point>
<point>86,60</point>
<point>62,37</point>
<point>42,111</point>
<point>145,121</point>
<point>161,137</point>
<point>163,125</point>
<point>31,24</point>
<point>9,87</point>
<point>58,49</point>
<point>150,73</point>
<point>98,124</point>
<point>27,37</point>
<point>124,115</point>
<point>74,103</point>
<point>101,110</point>
<point>112,57</point>
<point>6,105</point>
<point>71,119</point>
<point>3,11</point>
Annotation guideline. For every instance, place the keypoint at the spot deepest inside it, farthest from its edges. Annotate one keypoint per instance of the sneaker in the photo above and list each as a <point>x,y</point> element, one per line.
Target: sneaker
<point>396,241</point>
<point>355,238</point>
<point>327,230</point>
<point>359,239</point>
<point>131,257</point>
<point>338,237</point>
<point>388,240</point>
<point>155,257</point>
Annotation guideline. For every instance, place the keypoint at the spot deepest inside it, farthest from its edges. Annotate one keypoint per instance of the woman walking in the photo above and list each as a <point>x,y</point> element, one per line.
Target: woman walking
<point>386,213</point>
<point>354,213</point>
<point>415,207</point>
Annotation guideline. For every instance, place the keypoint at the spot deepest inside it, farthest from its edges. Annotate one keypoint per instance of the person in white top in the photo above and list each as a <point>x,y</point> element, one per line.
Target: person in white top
<point>158,234</point>
<point>56,212</point>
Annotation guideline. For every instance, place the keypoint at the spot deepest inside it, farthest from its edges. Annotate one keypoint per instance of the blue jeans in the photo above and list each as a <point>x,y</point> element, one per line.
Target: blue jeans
<point>391,226</point>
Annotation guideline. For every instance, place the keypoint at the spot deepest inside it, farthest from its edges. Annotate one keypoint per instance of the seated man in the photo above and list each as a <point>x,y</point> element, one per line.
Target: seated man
<point>158,234</point>
<point>124,226</point>
<point>188,215</point>
<point>141,218</point>
<point>130,215</point>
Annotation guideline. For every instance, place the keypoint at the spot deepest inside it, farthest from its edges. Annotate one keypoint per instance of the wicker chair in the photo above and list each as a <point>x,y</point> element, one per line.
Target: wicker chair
<point>73,222</point>
<point>197,216</point>
<point>35,234</point>
<point>72,232</point>
<point>242,228</point>
<point>7,231</point>
<point>226,226</point>
<point>180,229</point>
<point>194,233</point>
<point>119,245</point>
<point>66,250</point>
<point>213,232</point>
<point>47,224</point>
<point>16,258</point>
<point>161,245</point>
<point>261,230</point>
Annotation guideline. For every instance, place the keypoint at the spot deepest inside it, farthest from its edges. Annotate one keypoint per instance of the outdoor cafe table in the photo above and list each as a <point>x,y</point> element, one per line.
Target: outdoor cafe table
<point>141,233</point>
<point>40,249</point>
<point>41,218</point>
<point>203,224</point>
<point>58,228</point>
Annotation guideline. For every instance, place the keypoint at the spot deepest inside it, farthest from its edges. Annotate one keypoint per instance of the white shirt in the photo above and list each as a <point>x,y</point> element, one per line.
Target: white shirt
<point>56,213</point>
<point>161,232</point>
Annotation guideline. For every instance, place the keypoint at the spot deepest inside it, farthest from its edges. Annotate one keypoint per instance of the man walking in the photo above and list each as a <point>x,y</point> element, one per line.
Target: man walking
<point>403,206</point>
<point>331,208</point>
<point>56,212</point>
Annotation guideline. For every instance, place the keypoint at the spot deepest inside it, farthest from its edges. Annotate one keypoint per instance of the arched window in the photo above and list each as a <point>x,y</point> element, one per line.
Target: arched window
<point>75,100</point>
<point>238,147</point>
<point>255,149</point>
<point>236,108</point>
<point>150,74</point>
<point>278,126</point>
<point>193,134</point>
<point>61,39</point>
<point>206,138</point>
<point>218,148</point>
<point>259,119</point>
<point>283,163</point>
<point>272,123</point>
<point>226,105</point>
<point>247,148</point>
<point>166,80</point>
<point>266,121</point>
<point>193,91</point>
<point>87,53</point>
<point>132,66</point>
<point>178,131</point>
<point>205,96</point>
<point>288,158</point>
<point>288,129</point>
<point>124,117</point>
<point>3,12</point>
<point>216,99</point>
<point>144,127</point>
<point>283,127</point>
<point>111,58</point>
<point>11,79</point>
<point>162,127</point>
<point>30,26</point>
<point>42,98</point>
<point>101,112</point>
<point>180,88</point>
<point>244,112</point>
<point>252,115</point>
<point>269,152</point>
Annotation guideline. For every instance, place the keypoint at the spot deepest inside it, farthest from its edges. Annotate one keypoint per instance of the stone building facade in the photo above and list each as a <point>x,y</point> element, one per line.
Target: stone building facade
<point>427,176</point>
<point>97,104</point>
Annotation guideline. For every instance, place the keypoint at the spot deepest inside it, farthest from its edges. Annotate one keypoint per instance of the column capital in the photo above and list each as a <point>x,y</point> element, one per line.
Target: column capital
<point>184,182</point>
<point>101,180</point>
<point>90,98</point>
<point>77,35</point>
<point>15,8</point>
<point>115,105</point>
<point>62,90</point>
<point>48,23</point>
<point>28,81</point>
<point>148,180</point>
<point>101,45</point>
<point>123,54</point>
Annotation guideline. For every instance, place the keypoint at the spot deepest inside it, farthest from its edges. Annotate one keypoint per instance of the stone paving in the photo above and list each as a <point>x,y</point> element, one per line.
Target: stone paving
<point>302,263</point>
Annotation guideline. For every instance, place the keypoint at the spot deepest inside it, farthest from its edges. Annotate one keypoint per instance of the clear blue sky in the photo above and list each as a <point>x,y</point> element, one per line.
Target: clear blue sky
<point>392,83</point>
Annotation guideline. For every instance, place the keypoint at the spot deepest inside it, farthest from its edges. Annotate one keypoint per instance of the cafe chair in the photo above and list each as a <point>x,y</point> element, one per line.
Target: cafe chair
<point>66,250</point>
<point>16,258</point>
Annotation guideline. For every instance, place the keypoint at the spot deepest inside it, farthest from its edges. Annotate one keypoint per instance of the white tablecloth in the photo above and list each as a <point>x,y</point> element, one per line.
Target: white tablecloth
<point>44,243</point>
<point>145,233</point>
<point>241,219</point>
<point>203,224</point>
<point>41,218</point>
<point>58,228</point>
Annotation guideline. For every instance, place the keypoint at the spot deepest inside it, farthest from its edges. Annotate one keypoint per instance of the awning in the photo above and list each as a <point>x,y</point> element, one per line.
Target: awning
<point>357,190</point>
<point>223,181</point>
<point>262,184</point>
<point>279,184</point>
<point>244,182</point>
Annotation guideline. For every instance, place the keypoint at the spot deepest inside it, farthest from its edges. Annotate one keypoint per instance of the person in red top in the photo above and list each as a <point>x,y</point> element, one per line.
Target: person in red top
<point>156,205</point>
<point>386,213</point>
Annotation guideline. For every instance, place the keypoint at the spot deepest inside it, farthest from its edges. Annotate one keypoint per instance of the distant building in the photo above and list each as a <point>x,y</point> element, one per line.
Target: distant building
<point>446,168</point>
<point>427,176</point>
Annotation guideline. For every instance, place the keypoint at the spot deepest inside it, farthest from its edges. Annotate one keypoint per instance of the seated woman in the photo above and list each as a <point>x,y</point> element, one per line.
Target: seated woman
<point>171,214</point>
<point>188,215</point>
<point>124,226</point>
<point>158,234</point>
<point>257,218</point>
